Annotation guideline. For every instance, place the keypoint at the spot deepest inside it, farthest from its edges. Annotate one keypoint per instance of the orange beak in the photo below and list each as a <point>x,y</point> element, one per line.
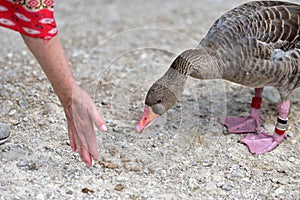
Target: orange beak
<point>147,119</point>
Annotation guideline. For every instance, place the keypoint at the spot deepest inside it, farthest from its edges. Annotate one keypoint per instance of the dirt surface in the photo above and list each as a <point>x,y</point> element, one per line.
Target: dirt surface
<point>117,49</point>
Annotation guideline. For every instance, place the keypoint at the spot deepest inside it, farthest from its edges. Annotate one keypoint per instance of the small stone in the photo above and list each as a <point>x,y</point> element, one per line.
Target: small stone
<point>5,107</point>
<point>4,132</point>
<point>293,141</point>
<point>143,56</point>
<point>105,102</point>
<point>119,187</point>
<point>33,166</point>
<point>127,167</point>
<point>40,197</point>
<point>186,93</point>
<point>86,190</point>
<point>122,155</point>
<point>292,159</point>
<point>12,112</point>
<point>106,159</point>
<point>52,120</point>
<point>23,103</point>
<point>58,151</point>
<point>206,163</point>
<point>16,94</point>
<point>280,190</point>
<point>145,161</point>
<point>193,184</point>
<point>113,151</point>
<point>108,165</point>
<point>22,164</point>
<point>151,169</point>
<point>70,192</point>
<point>111,123</point>
<point>126,160</point>
<point>211,185</point>
<point>237,174</point>
<point>135,169</point>
<point>290,134</point>
<point>9,55</point>
<point>226,187</point>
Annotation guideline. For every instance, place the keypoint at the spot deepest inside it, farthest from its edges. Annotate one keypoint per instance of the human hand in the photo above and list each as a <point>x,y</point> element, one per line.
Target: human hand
<point>82,114</point>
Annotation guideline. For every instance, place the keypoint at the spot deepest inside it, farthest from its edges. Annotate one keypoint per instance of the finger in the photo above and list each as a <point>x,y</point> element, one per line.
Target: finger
<point>85,138</point>
<point>97,119</point>
<point>71,136</point>
<point>91,141</point>
<point>85,156</point>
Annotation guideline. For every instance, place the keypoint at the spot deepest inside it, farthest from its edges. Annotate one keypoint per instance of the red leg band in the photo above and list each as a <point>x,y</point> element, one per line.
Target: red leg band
<point>256,102</point>
<point>279,131</point>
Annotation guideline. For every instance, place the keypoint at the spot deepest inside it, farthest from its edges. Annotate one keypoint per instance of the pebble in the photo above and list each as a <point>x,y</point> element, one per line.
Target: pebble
<point>16,94</point>
<point>9,55</point>
<point>206,163</point>
<point>193,183</point>
<point>119,187</point>
<point>5,107</point>
<point>21,164</point>
<point>145,161</point>
<point>292,159</point>
<point>12,112</point>
<point>210,186</point>
<point>70,192</point>
<point>186,93</point>
<point>280,190</point>
<point>143,56</point>
<point>105,102</point>
<point>23,103</point>
<point>226,187</point>
<point>40,197</point>
<point>237,174</point>
<point>113,151</point>
<point>126,160</point>
<point>3,92</point>
<point>4,129</point>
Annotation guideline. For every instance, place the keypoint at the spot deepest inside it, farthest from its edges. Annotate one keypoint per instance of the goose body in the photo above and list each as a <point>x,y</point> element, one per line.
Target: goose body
<point>256,44</point>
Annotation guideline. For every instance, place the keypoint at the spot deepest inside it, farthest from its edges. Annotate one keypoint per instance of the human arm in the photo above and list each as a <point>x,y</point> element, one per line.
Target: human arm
<point>80,110</point>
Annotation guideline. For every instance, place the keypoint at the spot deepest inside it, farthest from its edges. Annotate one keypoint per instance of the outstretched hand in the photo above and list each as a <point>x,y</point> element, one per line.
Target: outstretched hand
<point>81,115</point>
<point>81,112</point>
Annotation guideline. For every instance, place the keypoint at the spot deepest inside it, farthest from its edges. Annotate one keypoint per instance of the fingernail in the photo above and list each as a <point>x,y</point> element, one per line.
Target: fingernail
<point>103,127</point>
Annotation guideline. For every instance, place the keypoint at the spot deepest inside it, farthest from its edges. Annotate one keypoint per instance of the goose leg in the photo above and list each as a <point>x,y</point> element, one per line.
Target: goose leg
<point>250,124</point>
<point>264,142</point>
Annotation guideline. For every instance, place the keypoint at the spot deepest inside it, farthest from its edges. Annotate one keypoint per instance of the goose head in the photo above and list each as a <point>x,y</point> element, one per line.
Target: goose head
<point>159,100</point>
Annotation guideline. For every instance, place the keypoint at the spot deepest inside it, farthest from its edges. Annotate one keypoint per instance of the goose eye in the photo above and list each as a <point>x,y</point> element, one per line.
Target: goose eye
<point>158,101</point>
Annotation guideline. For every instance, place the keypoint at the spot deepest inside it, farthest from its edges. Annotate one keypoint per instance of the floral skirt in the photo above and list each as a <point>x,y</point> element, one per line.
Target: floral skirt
<point>33,18</point>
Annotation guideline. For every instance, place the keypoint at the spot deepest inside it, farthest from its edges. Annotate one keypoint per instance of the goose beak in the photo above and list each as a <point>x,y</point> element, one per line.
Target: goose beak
<point>147,119</point>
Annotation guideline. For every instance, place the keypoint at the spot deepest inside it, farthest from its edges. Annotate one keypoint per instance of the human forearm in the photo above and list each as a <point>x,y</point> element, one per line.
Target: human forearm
<point>54,63</point>
<point>80,110</point>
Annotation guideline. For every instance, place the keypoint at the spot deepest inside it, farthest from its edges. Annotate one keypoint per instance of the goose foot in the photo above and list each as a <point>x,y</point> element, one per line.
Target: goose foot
<point>249,124</point>
<point>262,142</point>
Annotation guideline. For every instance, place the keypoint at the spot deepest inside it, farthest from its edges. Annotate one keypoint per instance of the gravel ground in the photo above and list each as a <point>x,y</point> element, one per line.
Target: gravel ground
<point>117,50</point>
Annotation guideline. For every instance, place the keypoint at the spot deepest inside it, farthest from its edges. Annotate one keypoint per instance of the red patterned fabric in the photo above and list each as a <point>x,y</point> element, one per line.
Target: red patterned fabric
<point>33,18</point>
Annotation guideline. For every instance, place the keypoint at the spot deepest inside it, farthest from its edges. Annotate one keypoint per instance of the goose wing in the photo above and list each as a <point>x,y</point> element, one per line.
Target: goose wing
<point>261,29</point>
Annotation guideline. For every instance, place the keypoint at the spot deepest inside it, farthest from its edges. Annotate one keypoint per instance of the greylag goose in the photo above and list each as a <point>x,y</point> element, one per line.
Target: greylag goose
<point>256,44</point>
